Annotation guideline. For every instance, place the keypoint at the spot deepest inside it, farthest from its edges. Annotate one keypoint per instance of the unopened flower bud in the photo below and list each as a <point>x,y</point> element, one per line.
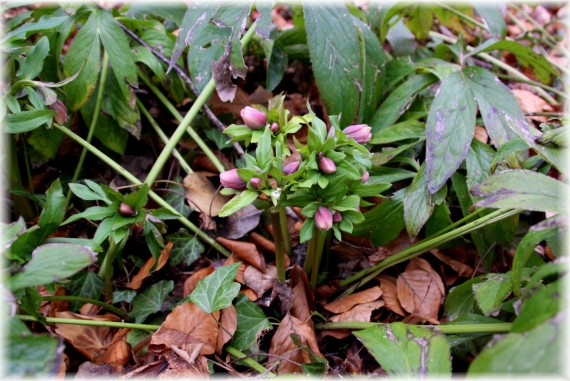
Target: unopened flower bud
<point>255,182</point>
<point>291,167</point>
<point>126,210</point>
<point>364,177</point>
<point>274,128</point>
<point>326,165</point>
<point>60,116</point>
<point>359,132</point>
<point>253,118</point>
<point>337,217</point>
<point>323,218</point>
<point>231,179</point>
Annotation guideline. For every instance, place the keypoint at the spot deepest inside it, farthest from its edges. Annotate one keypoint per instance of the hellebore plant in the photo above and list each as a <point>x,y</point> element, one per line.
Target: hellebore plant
<point>326,177</point>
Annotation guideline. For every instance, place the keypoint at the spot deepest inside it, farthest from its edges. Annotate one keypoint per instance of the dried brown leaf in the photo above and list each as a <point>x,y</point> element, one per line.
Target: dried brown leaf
<point>347,302</point>
<point>244,251</point>
<point>145,270</point>
<point>360,312</point>
<point>185,327</point>
<point>303,297</point>
<point>283,346</point>
<point>241,222</point>
<point>249,293</point>
<point>531,102</point>
<point>461,268</point>
<point>91,370</point>
<point>262,242</point>
<point>192,281</point>
<point>422,264</point>
<point>419,295</point>
<point>228,327</point>
<point>202,195</point>
<point>101,345</point>
<point>390,294</point>
<point>259,281</point>
<point>336,333</point>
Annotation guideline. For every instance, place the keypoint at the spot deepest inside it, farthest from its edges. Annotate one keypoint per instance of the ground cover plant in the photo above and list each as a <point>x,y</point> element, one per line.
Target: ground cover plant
<point>263,189</point>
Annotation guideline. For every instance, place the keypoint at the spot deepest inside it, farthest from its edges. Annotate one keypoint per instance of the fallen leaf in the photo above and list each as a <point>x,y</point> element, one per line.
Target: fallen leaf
<point>184,364</point>
<point>92,370</point>
<point>260,281</point>
<point>263,243</point>
<point>390,294</point>
<point>304,301</point>
<point>481,134</point>
<point>419,295</point>
<point>241,222</point>
<point>150,370</point>
<point>285,349</point>
<point>101,345</point>
<point>461,268</point>
<point>240,101</point>
<point>202,195</point>
<point>249,293</point>
<point>187,326</point>
<point>336,333</point>
<point>422,264</point>
<point>145,270</point>
<point>192,281</point>
<point>227,329</point>
<point>531,102</point>
<point>244,251</point>
<point>225,74</point>
<point>360,312</point>
<point>347,302</point>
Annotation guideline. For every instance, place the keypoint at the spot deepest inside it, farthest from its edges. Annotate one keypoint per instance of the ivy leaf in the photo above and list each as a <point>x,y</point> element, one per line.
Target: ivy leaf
<point>150,300</point>
<point>217,290</point>
<point>251,323</point>
<point>88,285</point>
<point>186,248</point>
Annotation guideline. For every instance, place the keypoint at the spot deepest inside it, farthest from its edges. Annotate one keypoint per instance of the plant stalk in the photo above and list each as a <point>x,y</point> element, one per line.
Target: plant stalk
<point>284,224</point>
<point>96,323</point>
<point>93,125</point>
<point>279,250</point>
<point>534,83</point>
<point>106,270</point>
<point>240,356</point>
<point>320,237</point>
<point>447,329</point>
<point>81,299</point>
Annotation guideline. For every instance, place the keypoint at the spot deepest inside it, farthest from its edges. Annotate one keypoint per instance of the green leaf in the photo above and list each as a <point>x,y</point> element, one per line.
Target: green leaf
<point>27,120</point>
<point>335,56</point>
<point>401,39</point>
<point>54,211</point>
<point>251,323</point>
<point>217,290</point>
<point>504,151</point>
<point>32,356</point>
<point>46,142</point>
<point>420,20</point>
<point>408,129</point>
<point>240,201</point>
<point>536,352</point>
<point>122,109</point>
<point>540,307</point>
<point>385,222</point>
<point>460,301</point>
<point>52,262</point>
<point>88,285</point>
<point>11,231</point>
<point>177,198</point>
<point>116,45</point>
<point>493,18</point>
<point>478,162</point>
<point>449,129</point>
<point>525,55</point>
<point>490,293</point>
<point>94,213</point>
<point>21,33</point>
<point>418,205</point>
<point>399,100</point>
<point>186,248</point>
<point>277,61</point>
<point>34,61</point>
<point>83,56</point>
<point>145,56</point>
<point>126,296</point>
<point>85,193</point>
<point>407,351</point>
<point>510,189</point>
<point>150,300</point>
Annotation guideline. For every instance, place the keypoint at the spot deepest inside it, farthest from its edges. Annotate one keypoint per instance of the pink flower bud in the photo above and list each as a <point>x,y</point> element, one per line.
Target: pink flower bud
<point>337,217</point>
<point>60,112</point>
<point>323,218</point>
<point>326,165</point>
<point>231,179</point>
<point>291,167</point>
<point>274,128</point>
<point>359,132</point>
<point>364,177</point>
<point>126,210</point>
<point>253,118</point>
<point>255,182</point>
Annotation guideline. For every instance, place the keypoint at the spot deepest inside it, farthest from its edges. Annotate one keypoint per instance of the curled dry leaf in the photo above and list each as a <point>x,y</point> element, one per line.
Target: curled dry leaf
<point>241,222</point>
<point>262,242</point>
<point>192,281</point>
<point>346,303</point>
<point>390,294</point>
<point>150,370</point>
<point>187,327</point>
<point>304,300</point>
<point>101,345</point>
<point>202,195</point>
<point>227,329</point>
<point>249,293</point>
<point>184,364</point>
<point>259,281</point>
<point>285,349</point>
<point>461,268</point>
<point>418,294</point>
<point>244,251</point>
<point>146,269</point>
<point>360,312</point>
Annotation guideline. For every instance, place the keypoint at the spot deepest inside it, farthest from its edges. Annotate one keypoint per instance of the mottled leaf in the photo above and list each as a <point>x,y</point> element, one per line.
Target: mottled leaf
<point>251,323</point>
<point>217,290</point>
<point>150,300</point>
<point>490,293</point>
<point>187,248</point>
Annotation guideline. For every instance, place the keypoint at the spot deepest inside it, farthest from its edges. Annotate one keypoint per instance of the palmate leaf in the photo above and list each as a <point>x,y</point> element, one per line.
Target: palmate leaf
<point>217,290</point>
<point>150,300</point>
<point>251,322</point>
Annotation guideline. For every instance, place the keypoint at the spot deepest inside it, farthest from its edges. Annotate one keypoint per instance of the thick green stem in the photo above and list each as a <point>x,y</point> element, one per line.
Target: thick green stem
<point>106,270</point>
<point>448,329</point>
<point>284,224</point>
<point>242,357</point>
<point>127,175</point>
<point>72,298</point>
<point>96,323</point>
<point>277,235</point>
<point>307,266</point>
<point>185,166</point>
<point>424,246</point>
<point>319,236</point>
<point>93,125</point>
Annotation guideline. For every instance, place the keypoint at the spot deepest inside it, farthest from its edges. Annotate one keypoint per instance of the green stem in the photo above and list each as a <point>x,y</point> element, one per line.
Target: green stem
<point>240,356</point>
<point>93,125</point>
<point>320,237</point>
<point>96,323</point>
<point>106,270</point>
<point>423,246</point>
<point>284,224</point>
<point>447,329</point>
<point>462,15</point>
<point>81,299</point>
<point>310,254</point>
<point>279,253</point>
<point>127,175</point>
<point>185,166</point>
<point>499,64</point>
<point>534,83</point>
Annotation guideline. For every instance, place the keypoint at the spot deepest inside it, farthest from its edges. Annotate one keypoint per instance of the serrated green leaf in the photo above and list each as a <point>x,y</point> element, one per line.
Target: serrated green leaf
<point>150,300</point>
<point>206,47</point>
<point>85,193</point>
<point>217,290</point>
<point>54,211</point>
<point>11,231</point>
<point>408,129</point>
<point>408,351</point>
<point>460,300</point>
<point>52,262</point>
<point>240,201</point>
<point>478,162</point>
<point>545,304</point>
<point>335,55</point>
<point>122,109</point>
<point>186,248</point>
<point>32,356</point>
<point>418,205</point>
<point>27,120</point>
<point>490,293</point>
<point>251,323</point>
